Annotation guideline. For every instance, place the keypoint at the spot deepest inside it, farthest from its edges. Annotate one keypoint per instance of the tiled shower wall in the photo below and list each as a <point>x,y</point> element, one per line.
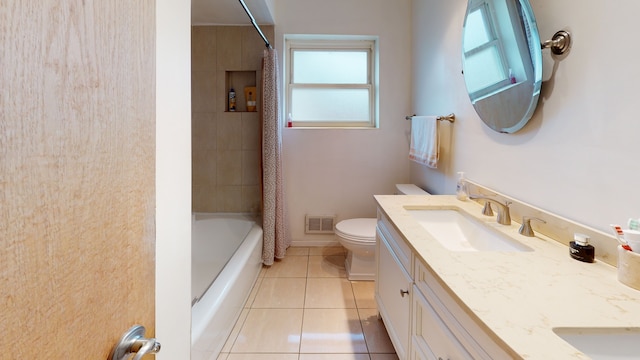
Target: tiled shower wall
<point>226,175</point>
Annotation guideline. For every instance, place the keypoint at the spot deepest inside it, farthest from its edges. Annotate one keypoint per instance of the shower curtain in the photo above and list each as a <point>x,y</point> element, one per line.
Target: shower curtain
<point>275,235</point>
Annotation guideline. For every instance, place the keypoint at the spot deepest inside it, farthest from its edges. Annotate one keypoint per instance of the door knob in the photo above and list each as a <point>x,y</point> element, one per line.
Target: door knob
<point>134,342</point>
<point>404,292</point>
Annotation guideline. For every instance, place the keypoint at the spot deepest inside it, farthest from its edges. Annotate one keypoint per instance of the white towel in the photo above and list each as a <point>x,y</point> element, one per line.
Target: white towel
<point>425,141</point>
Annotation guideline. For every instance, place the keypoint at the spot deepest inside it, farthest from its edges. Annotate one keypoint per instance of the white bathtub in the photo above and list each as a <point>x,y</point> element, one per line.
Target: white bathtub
<point>226,261</point>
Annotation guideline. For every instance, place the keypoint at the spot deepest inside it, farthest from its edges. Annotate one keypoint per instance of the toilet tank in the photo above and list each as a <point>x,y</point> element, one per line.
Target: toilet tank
<point>409,189</point>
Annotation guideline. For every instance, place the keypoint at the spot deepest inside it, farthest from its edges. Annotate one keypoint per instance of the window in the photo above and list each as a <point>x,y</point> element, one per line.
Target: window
<point>330,82</point>
<point>483,51</point>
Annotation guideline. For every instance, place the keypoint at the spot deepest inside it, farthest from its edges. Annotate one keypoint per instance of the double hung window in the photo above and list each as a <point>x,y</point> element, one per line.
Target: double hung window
<point>330,82</point>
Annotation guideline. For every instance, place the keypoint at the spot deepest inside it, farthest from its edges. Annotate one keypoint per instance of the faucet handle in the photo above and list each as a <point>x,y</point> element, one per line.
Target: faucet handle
<point>486,209</point>
<point>525,228</point>
<point>504,216</point>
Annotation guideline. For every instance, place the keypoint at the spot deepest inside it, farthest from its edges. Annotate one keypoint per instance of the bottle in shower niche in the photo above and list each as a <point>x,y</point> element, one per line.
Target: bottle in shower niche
<point>232,100</point>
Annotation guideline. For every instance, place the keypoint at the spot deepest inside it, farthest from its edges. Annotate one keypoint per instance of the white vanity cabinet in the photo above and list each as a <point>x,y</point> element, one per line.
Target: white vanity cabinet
<point>423,320</point>
<point>393,288</point>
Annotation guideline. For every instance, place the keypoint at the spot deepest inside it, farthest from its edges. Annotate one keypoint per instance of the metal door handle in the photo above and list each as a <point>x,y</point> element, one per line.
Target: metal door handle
<point>134,342</point>
<point>149,346</point>
<point>404,292</point>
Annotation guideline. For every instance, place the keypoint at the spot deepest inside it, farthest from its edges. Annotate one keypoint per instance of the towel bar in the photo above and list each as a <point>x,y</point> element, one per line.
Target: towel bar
<point>450,118</point>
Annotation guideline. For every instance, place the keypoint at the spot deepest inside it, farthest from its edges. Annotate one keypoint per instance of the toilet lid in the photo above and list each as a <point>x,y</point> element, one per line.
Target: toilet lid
<point>364,228</point>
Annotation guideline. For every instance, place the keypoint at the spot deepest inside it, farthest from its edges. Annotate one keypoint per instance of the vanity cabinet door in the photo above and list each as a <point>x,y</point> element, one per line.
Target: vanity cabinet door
<point>393,297</point>
<point>475,340</point>
<point>430,332</point>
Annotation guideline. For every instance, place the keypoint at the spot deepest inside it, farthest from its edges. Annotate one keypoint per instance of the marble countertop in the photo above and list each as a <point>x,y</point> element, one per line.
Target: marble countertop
<point>520,296</point>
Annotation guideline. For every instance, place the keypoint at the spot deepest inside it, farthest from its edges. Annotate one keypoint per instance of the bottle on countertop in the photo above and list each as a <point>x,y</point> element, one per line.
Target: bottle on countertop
<point>461,188</point>
<point>580,249</point>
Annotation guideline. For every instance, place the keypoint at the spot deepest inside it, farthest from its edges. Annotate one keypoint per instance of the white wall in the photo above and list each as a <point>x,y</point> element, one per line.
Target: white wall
<point>577,157</point>
<point>339,171</point>
<point>173,178</point>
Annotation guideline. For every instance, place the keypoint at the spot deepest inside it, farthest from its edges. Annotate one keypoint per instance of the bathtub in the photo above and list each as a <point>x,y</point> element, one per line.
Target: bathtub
<point>226,260</point>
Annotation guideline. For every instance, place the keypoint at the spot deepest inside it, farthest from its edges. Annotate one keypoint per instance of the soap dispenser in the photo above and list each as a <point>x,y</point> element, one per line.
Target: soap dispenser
<point>461,188</point>
<point>580,249</point>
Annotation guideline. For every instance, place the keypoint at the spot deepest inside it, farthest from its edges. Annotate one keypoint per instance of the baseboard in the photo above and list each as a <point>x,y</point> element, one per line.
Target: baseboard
<point>315,243</point>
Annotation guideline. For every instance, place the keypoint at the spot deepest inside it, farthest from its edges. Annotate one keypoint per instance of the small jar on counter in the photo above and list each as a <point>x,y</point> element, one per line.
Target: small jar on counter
<point>580,249</point>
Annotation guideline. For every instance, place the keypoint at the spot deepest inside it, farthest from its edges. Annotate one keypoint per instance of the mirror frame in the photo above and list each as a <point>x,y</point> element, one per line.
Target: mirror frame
<point>497,108</point>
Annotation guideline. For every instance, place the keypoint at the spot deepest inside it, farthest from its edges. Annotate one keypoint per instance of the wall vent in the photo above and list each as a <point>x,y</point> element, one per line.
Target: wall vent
<point>319,224</point>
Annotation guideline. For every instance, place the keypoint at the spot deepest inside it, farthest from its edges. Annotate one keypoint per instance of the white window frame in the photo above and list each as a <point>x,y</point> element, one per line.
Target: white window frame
<point>337,43</point>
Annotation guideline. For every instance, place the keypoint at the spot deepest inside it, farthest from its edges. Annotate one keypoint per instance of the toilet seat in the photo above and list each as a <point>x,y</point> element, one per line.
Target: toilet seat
<point>362,230</point>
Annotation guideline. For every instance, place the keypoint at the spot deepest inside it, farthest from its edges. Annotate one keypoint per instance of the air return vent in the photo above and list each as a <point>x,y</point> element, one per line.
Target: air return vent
<point>319,224</point>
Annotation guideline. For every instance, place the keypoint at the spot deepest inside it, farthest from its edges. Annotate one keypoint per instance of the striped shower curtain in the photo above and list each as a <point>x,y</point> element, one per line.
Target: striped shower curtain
<point>273,224</point>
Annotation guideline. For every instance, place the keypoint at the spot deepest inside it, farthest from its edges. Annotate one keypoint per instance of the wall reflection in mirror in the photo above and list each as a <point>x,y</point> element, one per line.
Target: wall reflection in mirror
<point>502,62</point>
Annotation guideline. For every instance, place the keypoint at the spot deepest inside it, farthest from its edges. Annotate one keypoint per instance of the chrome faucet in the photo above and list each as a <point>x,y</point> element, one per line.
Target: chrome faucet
<point>525,228</point>
<point>504,217</point>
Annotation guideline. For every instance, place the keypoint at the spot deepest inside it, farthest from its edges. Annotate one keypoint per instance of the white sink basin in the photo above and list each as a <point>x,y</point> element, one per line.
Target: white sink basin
<point>604,343</point>
<point>459,232</point>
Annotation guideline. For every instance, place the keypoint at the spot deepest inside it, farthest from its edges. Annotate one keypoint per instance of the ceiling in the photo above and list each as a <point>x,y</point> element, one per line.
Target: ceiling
<point>230,12</point>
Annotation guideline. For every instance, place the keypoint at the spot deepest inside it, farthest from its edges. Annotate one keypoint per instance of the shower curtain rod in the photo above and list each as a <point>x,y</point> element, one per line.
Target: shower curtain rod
<point>255,25</point>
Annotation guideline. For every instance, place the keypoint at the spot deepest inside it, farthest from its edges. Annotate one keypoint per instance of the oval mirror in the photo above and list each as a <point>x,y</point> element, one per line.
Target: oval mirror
<point>502,62</point>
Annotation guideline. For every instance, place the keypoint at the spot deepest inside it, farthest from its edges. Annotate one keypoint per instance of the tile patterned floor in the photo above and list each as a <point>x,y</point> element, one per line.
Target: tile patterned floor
<point>304,308</point>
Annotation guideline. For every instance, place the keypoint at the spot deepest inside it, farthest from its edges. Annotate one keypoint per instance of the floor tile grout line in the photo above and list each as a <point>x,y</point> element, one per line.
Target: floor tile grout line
<point>233,343</point>
<point>364,337</point>
<point>250,300</point>
<point>304,306</point>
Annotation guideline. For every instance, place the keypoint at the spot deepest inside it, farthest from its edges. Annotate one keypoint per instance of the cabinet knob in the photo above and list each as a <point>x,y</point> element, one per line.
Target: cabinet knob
<point>404,292</point>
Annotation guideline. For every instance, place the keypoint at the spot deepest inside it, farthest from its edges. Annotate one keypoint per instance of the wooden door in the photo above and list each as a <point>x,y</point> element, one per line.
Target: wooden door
<point>77,180</point>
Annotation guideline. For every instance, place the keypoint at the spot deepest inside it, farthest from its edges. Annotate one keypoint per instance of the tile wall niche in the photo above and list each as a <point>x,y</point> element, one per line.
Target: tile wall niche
<point>226,173</point>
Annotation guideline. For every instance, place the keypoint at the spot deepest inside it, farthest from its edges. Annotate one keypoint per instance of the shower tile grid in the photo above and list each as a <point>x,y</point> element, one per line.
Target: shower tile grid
<point>304,308</point>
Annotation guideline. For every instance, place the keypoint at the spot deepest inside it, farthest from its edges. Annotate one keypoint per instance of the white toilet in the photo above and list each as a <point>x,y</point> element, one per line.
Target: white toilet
<point>358,236</point>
